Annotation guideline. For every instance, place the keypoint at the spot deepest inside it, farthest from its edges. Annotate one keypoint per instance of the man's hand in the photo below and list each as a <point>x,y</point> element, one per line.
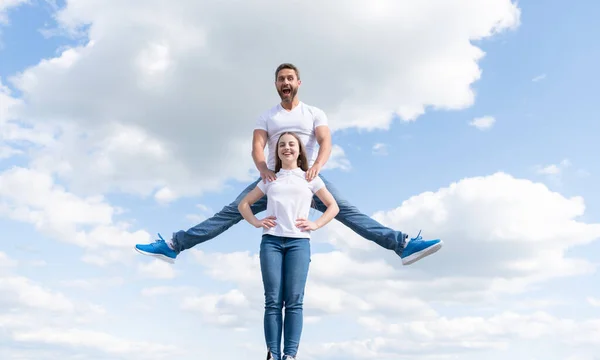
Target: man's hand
<point>266,223</point>
<point>306,225</point>
<point>259,141</point>
<point>313,172</point>
<point>267,175</point>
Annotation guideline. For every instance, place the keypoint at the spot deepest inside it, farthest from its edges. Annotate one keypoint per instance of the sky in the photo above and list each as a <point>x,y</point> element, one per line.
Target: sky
<point>473,121</point>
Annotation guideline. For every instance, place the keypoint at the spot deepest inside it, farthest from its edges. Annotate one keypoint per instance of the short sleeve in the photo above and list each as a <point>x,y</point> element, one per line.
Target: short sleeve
<point>262,186</point>
<point>316,184</point>
<point>320,118</point>
<point>261,123</point>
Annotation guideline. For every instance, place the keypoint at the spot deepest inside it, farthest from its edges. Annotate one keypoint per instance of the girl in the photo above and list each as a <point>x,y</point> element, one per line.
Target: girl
<point>285,246</point>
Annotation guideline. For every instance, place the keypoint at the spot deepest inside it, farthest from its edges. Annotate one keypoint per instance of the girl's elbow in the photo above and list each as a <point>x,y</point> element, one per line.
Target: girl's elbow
<point>336,209</point>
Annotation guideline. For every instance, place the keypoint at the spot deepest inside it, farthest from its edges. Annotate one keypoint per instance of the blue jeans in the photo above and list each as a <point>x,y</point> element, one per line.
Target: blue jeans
<point>284,265</point>
<point>348,215</point>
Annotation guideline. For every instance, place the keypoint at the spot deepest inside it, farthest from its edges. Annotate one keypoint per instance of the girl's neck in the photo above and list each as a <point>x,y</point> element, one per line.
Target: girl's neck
<point>289,166</point>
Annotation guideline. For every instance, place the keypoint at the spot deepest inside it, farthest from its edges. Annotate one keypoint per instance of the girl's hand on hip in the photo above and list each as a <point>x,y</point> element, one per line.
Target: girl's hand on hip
<point>266,223</point>
<point>306,225</point>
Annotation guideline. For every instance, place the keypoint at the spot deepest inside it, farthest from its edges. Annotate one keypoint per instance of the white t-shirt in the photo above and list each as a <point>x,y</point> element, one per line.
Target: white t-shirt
<point>289,197</point>
<point>302,120</point>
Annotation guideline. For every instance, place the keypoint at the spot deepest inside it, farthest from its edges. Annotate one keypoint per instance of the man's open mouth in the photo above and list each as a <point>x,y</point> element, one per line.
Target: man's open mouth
<point>286,91</point>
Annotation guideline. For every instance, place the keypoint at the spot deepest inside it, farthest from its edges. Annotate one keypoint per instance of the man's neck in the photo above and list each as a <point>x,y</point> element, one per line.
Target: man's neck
<point>290,105</point>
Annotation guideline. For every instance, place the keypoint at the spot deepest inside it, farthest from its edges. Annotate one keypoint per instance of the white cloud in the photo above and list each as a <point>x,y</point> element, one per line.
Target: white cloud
<point>240,267</point>
<point>554,173</point>
<point>231,309</point>
<point>203,208</point>
<point>96,340</point>
<point>33,197</point>
<point>7,104</point>
<point>461,334</point>
<point>483,123</point>
<point>549,170</point>
<point>6,261</point>
<point>165,195</point>
<point>199,217</point>
<point>11,135</point>
<point>22,186</point>
<point>18,290</point>
<point>337,160</point>
<point>6,5</point>
<point>93,284</point>
<point>380,149</point>
<point>167,290</point>
<point>518,214</point>
<point>554,169</point>
<point>6,152</point>
<point>158,114</point>
<point>593,301</point>
<point>539,78</point>
<point>33,315</point>
<point>157,269</point>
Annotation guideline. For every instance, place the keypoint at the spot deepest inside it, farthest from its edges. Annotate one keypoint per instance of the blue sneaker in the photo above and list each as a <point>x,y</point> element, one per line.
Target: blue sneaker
<point>417,248</point>
<point>158,249</point>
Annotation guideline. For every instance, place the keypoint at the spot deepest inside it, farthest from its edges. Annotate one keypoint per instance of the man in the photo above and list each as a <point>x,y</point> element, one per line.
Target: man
<point>310,123</point>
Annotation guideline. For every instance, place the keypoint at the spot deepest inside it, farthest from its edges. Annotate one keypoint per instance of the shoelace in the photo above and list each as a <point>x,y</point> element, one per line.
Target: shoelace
<point>418,237</point>
<point>160,238</point>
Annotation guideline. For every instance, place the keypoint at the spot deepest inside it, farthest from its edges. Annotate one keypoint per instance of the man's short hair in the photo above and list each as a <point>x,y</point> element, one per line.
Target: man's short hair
<point>287,66</point>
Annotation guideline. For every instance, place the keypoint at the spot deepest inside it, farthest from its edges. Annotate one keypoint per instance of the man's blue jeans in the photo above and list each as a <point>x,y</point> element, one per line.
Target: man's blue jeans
<point>348,215</point>
<point>284,265</point>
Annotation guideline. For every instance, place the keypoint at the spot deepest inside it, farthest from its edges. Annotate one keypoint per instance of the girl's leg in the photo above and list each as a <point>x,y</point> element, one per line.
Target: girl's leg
<point>295,272</point>
<point>271,260</point>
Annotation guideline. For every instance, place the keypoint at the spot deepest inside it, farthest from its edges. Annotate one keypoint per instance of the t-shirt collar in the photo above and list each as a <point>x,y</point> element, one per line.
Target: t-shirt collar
<point>284,171</point>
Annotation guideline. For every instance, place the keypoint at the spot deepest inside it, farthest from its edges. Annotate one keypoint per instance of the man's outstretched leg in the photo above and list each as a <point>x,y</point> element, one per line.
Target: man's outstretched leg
<point>168,250</point>
<point>365,226</point>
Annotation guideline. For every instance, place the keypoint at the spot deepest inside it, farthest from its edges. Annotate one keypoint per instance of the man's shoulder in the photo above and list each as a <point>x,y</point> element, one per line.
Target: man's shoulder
<point>269,113</point>
<point>312,109</point>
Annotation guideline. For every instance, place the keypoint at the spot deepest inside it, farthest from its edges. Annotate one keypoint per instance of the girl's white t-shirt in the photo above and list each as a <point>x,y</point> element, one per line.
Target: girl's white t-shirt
<point>289,197</point>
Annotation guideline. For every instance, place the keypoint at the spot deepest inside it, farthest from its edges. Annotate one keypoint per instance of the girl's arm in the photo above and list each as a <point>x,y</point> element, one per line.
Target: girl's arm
<point>332,207</point>
<point>244,209</point>
<point>332,210</point>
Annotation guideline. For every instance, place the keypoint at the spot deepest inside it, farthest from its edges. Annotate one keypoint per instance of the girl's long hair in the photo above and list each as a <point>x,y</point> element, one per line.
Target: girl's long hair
<point>302,162</point>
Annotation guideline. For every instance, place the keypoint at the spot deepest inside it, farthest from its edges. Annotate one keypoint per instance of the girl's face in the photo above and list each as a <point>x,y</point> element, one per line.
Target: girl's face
<point>288,149</point>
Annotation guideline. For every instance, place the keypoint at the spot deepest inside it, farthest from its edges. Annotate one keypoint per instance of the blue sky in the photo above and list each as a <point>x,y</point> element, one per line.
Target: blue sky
<point>163,75</point>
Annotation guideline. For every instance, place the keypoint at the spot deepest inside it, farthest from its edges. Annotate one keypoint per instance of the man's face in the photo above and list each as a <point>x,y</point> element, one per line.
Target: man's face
<point>287,84</point>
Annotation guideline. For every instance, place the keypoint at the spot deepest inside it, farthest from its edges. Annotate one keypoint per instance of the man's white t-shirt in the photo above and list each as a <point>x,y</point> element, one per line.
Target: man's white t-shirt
<point>289,197</point>
<point>302,120</point>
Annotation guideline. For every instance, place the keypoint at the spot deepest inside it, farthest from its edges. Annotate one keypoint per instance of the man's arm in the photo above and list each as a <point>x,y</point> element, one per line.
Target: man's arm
<point>259,141</point>
<point>323,136</point>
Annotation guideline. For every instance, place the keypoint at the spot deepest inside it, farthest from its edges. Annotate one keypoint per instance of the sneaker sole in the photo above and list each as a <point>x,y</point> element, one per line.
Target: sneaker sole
<point>423,253</point>
<point>158,256</point>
